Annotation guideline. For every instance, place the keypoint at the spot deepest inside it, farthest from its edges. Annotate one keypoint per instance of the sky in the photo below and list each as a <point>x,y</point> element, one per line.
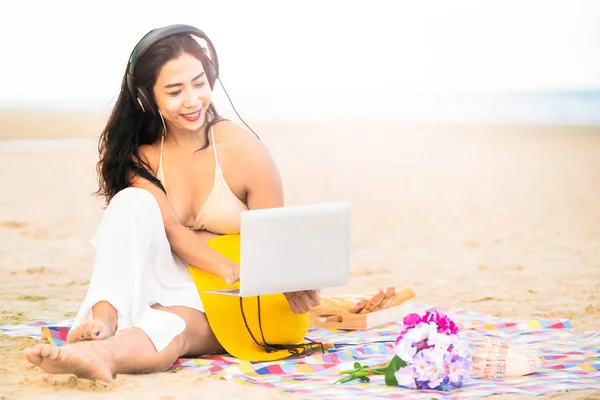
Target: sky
<point>289,57</point>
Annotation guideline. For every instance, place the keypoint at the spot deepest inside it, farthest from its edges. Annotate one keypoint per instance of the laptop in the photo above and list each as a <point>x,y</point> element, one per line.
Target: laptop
<point>293,248</point>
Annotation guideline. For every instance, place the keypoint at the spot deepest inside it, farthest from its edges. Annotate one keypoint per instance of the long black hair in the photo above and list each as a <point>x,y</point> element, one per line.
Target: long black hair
<point>128,128</point>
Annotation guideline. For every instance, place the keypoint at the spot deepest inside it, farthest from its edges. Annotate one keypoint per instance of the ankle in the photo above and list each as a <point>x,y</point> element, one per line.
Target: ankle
<point>105,353</point>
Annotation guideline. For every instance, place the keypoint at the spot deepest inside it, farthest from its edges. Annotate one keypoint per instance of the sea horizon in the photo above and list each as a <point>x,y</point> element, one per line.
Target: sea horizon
<point>569,107</point>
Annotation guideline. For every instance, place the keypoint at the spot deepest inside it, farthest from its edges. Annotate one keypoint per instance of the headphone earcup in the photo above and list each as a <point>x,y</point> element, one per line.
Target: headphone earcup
<point>211,73</point>
<point>145,101</point>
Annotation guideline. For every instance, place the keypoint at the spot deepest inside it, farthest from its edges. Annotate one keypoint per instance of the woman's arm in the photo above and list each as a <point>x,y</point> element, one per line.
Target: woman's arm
<point>265,190</point>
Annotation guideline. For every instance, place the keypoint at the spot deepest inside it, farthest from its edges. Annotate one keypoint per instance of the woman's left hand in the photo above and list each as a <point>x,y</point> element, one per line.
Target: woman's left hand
<point>304,300</point>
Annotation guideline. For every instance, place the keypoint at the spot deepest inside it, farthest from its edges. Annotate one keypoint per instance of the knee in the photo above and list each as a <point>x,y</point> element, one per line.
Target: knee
<point>132,197</point>
<point>131,208</point>
<point>134,201</point>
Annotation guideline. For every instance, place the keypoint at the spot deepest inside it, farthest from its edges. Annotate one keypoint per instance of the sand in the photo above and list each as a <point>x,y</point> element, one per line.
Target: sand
<point>502,220</point>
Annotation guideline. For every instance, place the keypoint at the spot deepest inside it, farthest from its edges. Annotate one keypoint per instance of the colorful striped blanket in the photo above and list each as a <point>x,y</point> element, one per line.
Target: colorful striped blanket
<point>571,359</point>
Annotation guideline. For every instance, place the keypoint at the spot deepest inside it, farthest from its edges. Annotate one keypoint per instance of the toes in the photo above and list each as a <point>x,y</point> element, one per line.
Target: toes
<point>45,351</point>
<point>54,353</point>
<point>33,356</point>
<point>35,350</point>
<point>49,351</point>
<point>74,335</point>
<point>91,330</point>
<point>37,353</point>
<point>87,332</point>
<point>88,328</point>
<point>100,331</point>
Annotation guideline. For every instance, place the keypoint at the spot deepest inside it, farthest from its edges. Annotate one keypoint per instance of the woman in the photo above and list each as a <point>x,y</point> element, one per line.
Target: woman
<point>174,175</point>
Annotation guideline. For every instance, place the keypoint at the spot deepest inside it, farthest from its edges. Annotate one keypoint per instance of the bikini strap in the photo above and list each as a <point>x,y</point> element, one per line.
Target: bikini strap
<point>162,144</point>
<point>212,137</point>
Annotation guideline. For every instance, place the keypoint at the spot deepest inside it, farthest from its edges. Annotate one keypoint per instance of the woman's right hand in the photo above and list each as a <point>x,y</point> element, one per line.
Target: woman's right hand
<point>231,273</point>
<point>227,270</point>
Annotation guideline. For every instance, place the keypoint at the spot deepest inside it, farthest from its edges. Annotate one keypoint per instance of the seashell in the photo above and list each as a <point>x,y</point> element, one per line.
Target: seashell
<point>497,359</point>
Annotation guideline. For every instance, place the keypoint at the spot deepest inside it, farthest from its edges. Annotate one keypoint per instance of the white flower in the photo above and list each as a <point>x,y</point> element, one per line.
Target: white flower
<point>418,333</point>
<point>405,350</point>
<point>459,347</point>
<point>442,342</point>
<point>455,374</point>
<point>433,333</point>
<point>405,378</point>
<point>436,376</point>
<point>434,356</point>
<point>421,366</point>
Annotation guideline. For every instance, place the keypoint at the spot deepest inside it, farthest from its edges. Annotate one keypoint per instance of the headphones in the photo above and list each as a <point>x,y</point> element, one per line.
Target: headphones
<point>142,99</point>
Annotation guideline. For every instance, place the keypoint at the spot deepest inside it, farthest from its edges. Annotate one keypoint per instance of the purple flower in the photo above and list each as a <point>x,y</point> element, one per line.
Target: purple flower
<point>458,369</point>
<point>404,376</point>
<point>428,317</point>
<point>436,358</point>
<point>423,344</point>
<point>422,367</point>
<point>453,328</point>
<point>411,320</point>
<point>398,339</point>
<point>443,323</point>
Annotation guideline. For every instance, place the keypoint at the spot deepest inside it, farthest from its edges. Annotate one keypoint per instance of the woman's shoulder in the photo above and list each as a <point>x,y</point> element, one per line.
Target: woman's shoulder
<point>149,154</point>
<point>233,138</point>
<point>240,143</point>
<point>234,134</point>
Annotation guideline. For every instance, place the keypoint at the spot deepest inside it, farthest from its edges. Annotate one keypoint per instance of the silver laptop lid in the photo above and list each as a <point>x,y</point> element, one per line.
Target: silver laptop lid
<point>294,248</point>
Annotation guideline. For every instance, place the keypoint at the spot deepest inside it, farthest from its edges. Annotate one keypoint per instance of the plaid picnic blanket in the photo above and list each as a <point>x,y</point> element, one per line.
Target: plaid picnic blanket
<point>571,359</point>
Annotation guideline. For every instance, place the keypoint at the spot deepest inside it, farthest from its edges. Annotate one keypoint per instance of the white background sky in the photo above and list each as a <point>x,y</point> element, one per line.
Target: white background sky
<point>278,55</point>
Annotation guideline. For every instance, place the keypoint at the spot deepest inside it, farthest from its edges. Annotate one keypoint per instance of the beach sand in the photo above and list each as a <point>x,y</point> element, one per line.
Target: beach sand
<point>498,219</point>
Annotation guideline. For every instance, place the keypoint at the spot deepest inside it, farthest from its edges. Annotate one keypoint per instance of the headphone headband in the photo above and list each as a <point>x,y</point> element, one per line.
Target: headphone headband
<point>153,37</point>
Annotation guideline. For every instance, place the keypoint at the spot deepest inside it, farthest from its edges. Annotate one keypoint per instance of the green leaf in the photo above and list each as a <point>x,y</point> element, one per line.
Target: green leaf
<point>401,363</point>
<point>346,379</point>
<point>395,364</point>
<point>390,378</point>
<point>379,370</point>
<point>357,365</point>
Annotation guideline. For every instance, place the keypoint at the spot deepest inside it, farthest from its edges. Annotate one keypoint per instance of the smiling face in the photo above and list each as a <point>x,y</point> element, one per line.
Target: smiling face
<point>182,94</point>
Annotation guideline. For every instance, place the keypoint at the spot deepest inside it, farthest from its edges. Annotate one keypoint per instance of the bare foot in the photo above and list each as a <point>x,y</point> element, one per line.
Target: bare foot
<point>84,360</point>
<point>90,330</point>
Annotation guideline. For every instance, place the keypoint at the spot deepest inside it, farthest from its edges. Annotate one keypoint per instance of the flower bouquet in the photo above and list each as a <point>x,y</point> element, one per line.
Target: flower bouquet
<point>428,355</point>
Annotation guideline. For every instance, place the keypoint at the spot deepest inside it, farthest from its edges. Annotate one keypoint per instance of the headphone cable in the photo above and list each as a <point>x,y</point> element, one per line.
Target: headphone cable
<point>236,113</point>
